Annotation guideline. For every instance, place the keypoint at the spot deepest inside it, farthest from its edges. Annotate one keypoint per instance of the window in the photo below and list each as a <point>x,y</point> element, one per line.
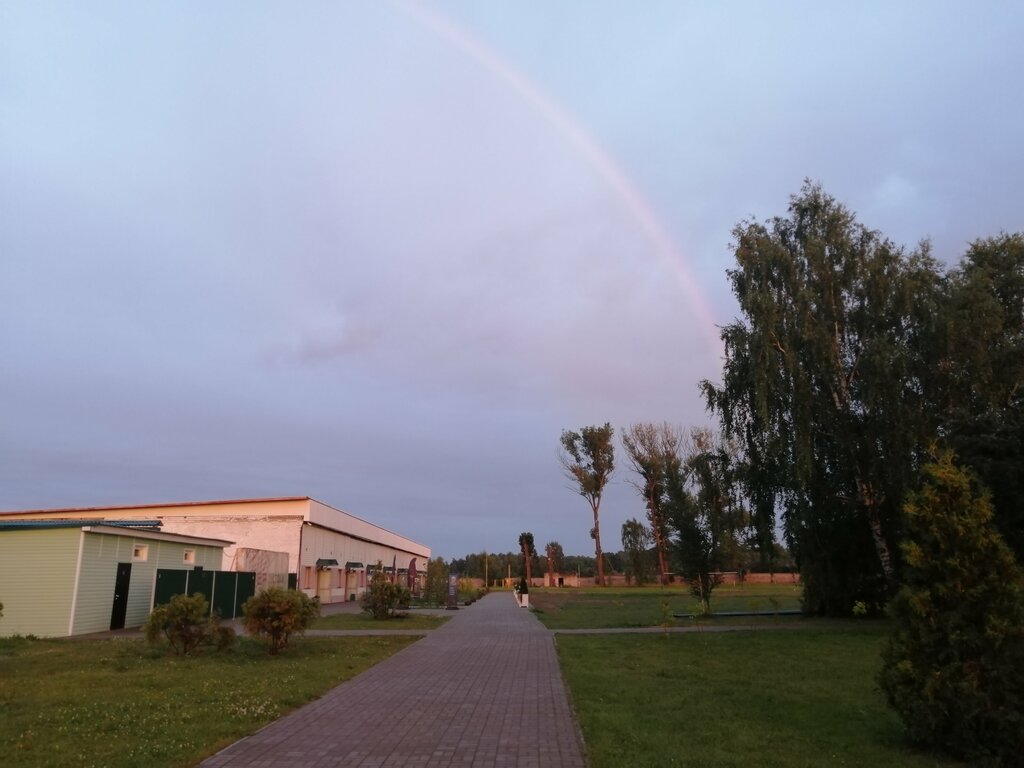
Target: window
<point>140,553</point>
<point>188,557</point>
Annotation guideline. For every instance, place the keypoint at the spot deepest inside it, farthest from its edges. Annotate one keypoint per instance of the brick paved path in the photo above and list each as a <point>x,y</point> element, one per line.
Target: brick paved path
<point>482,690</point>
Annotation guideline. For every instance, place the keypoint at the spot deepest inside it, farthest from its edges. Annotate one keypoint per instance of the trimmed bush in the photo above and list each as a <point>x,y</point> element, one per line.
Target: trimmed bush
<point>383,599</point>
<point>276,614</point>
<point>185,622</point>
<point>954,666</point>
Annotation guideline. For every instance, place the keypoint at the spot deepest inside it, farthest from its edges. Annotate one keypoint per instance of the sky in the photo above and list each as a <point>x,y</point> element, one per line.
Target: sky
<point>383,254</point>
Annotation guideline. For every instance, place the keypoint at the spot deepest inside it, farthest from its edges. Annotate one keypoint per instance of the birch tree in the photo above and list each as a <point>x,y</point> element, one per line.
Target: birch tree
<point>825,383</point>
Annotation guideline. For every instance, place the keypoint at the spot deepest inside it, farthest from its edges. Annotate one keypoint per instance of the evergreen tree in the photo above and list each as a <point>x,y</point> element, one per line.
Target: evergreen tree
<point>954,666</point>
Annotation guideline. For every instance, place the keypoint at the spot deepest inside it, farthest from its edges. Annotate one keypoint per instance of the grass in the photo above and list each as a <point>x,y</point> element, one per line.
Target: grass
<point>598,607</point>
<point>743,700</point>
<point>363,621</point>
<point>120,703</point>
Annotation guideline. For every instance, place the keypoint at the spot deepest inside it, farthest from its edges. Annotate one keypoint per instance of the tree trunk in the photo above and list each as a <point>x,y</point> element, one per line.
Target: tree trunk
<point>659,543</point>
<point>870,501</point>
<point>597,551</point>
<point>654,516</point>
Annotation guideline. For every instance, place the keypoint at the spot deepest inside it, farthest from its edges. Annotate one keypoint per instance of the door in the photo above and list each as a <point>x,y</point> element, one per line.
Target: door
<point>124,576</point>
<point>323,586</point>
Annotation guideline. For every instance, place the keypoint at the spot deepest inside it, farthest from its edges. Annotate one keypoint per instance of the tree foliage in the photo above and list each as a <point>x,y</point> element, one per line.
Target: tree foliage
<point>981,369</point>
<point>436,589</point>
<point>954,666</point>
<point>652,449</point>
<point>526,546</point>
<point>383,598</point>
<point>824,385</point>
<point>636,541</point>
<point>588,458</point>
<point>555,557</point>
<point>276,614</point>
<point>705,510</point>
<point>186,623</point>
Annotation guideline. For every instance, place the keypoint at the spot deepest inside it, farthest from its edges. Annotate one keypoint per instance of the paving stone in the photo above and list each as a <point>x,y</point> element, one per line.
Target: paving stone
<point>483,690</point>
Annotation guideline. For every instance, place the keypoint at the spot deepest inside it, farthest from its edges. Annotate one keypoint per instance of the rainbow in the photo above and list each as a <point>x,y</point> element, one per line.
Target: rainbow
<point>629,196</point>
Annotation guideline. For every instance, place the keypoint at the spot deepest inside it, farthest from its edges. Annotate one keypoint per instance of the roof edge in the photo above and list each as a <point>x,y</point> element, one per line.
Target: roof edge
<point>122,507</point>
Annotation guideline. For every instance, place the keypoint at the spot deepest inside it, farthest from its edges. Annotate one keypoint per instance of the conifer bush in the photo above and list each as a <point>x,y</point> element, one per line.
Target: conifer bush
<point>954,666</point>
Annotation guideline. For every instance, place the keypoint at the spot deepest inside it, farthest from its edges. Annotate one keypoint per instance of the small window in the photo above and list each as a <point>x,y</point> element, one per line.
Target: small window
<point>188,557</point>
<point>140,553</point>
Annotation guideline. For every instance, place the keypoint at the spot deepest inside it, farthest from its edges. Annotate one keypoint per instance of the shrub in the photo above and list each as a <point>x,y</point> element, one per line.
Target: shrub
<point>383,598</point>
<point>437,582</point>
<point>224,638</point>
<point>954,665</point>
<point>186,624</point>
<point>276,614</point>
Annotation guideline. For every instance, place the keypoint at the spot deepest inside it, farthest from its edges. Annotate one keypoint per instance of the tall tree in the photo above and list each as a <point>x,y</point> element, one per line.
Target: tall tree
<point>824,385</point>
<point>529,552</point>
<point>588,458</point>
<point>982,365</point>
<point>636,539</point>
<point>651,449</point>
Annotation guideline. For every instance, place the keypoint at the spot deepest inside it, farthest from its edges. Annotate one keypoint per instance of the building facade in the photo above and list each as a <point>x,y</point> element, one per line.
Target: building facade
<point>68,577</point>
<point>326,552</point>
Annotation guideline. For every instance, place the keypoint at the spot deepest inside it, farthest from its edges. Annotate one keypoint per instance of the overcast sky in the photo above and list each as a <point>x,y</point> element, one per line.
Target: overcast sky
<point>383,254</point>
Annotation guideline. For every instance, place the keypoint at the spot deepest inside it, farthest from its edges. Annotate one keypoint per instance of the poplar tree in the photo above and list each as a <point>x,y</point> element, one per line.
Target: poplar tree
<point>529,552</point>
<point>588,458</point>
<point>651,450</point>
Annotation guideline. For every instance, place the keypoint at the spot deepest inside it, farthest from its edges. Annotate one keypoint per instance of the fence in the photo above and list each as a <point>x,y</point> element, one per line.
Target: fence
<point>226,591</point>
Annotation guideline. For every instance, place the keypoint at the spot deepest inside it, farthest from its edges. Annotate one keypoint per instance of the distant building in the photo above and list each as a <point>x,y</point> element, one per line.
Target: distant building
<point>296,541</point>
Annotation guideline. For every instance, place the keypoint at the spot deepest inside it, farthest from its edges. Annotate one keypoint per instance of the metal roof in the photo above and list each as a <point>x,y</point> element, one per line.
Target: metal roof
<point>22,525</point>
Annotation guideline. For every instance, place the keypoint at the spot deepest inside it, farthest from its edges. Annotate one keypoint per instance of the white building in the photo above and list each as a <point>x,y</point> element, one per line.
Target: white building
<point>318,548</point>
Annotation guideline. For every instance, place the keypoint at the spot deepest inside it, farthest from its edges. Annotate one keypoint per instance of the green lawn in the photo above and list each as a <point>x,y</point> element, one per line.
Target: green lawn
<point>743,699</point>
<point>411,620</point>
<point>115,703</point>
<point>598,607</point>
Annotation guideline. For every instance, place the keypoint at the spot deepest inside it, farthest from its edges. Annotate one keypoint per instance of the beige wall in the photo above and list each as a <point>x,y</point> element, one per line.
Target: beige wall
<point>37,580</point>
<point>335,585</point>
<point>60,581</point>
<point>274,534</point>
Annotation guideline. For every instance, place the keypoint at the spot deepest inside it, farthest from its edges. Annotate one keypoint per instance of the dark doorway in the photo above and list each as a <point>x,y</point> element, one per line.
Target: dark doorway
<point>124,576</point>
